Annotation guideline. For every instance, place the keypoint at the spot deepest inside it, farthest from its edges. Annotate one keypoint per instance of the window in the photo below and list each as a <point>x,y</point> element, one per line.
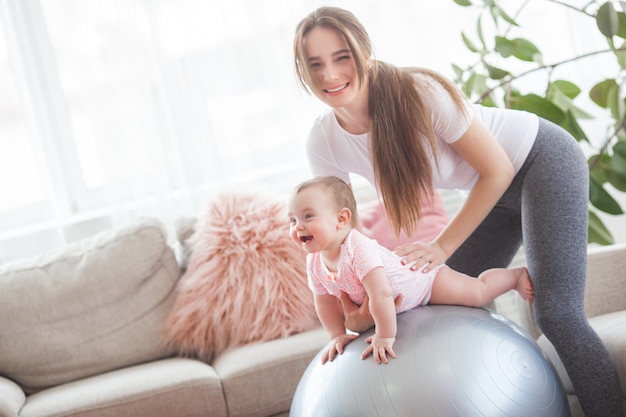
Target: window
<point>22,170</point>
<point>117,109</point>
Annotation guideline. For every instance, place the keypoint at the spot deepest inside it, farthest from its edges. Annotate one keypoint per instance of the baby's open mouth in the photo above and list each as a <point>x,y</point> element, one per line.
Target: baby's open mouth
<point>305,239</point>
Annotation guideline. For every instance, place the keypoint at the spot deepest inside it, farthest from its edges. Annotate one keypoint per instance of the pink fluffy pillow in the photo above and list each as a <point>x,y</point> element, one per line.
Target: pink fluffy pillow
<point>377,226</point>
<point>245,281</point>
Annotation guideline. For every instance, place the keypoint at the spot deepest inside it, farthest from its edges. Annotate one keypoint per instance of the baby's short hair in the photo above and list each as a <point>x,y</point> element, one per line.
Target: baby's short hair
<point>341,192</point>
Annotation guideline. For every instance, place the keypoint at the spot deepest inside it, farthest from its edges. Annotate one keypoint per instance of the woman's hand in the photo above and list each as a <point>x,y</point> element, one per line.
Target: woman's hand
<point>336,346</point>
<point>420,256</point>
<point>379,347</point>
<point>358,318</point>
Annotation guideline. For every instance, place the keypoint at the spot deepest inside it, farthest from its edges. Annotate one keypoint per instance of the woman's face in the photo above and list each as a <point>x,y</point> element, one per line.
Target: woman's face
<point>331,62</point>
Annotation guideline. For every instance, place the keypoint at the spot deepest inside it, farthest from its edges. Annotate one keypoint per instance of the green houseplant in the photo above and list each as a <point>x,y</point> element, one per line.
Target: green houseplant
<point>499,44</point>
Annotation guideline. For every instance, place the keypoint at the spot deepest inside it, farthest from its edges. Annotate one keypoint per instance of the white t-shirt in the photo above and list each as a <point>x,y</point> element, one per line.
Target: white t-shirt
<point>333,151</point>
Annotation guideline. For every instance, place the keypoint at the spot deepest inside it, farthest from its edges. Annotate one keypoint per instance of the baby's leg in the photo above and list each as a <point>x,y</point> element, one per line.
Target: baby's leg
<point>453,287</point>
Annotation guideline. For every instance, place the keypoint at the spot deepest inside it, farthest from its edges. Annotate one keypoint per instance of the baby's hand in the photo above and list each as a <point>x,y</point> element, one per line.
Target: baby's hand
<point>380,347</point>
<point>336,346</point>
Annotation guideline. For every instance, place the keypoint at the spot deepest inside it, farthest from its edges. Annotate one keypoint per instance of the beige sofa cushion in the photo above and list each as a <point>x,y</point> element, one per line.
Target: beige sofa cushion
<point>612,330</point>
<point>12,398</point>
<point>260,379</point>
<point>169,387</point>
<point>92,307</point>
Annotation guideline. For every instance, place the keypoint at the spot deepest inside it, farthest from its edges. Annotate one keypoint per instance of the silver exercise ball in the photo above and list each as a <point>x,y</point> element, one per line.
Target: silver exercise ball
<point>451,361</point>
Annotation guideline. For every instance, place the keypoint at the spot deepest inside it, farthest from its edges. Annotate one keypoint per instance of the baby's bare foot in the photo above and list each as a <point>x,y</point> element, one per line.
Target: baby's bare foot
<point>524,285</point>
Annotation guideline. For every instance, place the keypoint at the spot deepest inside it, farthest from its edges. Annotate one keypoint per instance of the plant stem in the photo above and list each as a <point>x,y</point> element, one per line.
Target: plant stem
<point>549,67</point>
<point>583,11</point>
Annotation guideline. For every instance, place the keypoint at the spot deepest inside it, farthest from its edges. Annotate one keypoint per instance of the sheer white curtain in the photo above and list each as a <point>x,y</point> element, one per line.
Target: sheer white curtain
<point>115,109</point>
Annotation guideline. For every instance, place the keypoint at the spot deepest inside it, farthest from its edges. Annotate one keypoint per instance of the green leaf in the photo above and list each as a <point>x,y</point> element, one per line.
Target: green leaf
<point>463,3</point>
<point>566,104</point>
<point>520,48</point>
<point>603,91</point>
<point>488,101</point>
<point>538,105</point>
<point>493,11</point>
<point>477,84</point>
<point>621,30</point>
<point>620,55</point>
<point>496,73</point>
<point>479,30</point>
<point>525,50</point>
<point>458,71</point>
<point>618,161</point>
<point>617,180</point>
<point>615,104</point>
<point>496,12</point>
<point>601,199</point>
<point>500,12</point>
<point>598,233</point>
<point>468,43</point>
<point>571,125</point>
<point>467,85</point>
<point>599,168</point>
<point>568,88</point>
<point>620,149</point>
<point>607,20</point>
<point>504,46</point>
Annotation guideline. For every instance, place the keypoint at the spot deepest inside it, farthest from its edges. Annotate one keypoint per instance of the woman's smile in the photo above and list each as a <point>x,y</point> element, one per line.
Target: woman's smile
<point>336,89</point>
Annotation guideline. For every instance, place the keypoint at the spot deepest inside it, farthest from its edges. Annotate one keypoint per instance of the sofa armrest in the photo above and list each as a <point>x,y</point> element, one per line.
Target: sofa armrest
<point>12,398</point>
<point>605,288</point>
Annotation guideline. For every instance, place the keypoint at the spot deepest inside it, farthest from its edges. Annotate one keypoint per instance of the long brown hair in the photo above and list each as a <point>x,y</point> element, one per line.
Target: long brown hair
<point>402,138</point>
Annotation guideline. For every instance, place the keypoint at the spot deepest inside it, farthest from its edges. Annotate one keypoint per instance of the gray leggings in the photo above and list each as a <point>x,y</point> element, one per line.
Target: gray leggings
<point>545,208</point>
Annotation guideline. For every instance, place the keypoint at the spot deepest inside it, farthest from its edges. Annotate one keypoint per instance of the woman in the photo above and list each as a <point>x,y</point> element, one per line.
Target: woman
<point>410,130</point>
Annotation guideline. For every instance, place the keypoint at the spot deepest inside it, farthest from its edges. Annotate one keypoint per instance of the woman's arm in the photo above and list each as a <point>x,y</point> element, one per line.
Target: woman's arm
<point>358,318</point>
<point>481,150</point>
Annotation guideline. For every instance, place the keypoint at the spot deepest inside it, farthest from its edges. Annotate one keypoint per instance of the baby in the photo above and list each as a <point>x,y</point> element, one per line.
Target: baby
<point>340,258</point>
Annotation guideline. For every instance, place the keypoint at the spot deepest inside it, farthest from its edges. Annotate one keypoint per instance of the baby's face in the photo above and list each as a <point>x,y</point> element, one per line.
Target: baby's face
<point>312,219</point>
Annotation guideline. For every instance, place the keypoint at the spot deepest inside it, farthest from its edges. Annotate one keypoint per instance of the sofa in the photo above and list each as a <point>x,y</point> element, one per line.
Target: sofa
<point>605,305</point>
<point>81,335</point>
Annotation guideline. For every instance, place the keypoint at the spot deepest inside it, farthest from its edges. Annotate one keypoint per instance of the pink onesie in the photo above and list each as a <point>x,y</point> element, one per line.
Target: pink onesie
<point>359,255</point>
